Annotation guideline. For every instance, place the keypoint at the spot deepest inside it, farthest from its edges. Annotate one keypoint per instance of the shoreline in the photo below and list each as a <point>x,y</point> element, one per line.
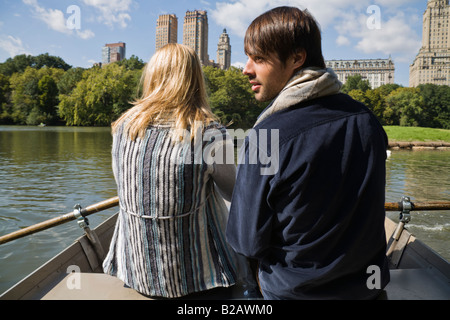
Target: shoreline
<point>419,145</point>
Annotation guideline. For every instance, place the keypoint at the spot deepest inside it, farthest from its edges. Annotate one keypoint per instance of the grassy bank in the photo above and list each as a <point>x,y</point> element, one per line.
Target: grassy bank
<point>396,133</point>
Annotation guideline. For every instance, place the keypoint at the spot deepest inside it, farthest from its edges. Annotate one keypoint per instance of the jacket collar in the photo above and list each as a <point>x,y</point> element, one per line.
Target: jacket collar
<point>306,84</point>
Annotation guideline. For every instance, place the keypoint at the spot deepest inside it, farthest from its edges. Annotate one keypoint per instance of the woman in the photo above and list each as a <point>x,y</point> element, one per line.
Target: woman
<point>169,240</point>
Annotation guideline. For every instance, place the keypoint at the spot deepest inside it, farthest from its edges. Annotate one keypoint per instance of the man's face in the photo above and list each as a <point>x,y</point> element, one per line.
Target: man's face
<point>268,76</point>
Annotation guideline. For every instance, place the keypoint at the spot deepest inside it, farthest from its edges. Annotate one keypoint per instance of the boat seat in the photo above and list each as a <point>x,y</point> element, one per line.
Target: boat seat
<point>93,286</point>
<point>405,284</point>
<point>99,286</point>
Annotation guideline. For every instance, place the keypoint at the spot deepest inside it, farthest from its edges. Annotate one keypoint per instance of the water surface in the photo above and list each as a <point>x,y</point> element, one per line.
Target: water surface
<point>44,172</point>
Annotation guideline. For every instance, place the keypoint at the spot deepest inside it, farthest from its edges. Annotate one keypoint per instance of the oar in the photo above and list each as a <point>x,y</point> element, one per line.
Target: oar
<point>110,203</point>
<point>419,206</point>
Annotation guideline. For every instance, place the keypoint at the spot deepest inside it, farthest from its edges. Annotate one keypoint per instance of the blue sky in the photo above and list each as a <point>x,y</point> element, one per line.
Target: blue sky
<point>367,29</point>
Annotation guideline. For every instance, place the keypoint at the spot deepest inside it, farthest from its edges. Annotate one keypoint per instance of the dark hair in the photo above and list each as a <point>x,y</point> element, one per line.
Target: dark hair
<point>285,31</point>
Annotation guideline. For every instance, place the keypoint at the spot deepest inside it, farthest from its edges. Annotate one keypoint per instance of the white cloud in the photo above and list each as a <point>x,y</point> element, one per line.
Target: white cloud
<point>347,17</point>
<point>85,34</point>
<point>13,46</point>
<point>239,64</point>
<point>56,20</point>
<point>395,36</point>
<point>394,3</point>
<point>237,15</point>
<point>53,18</point>
<point>342,41</point>
<point>113,12</point>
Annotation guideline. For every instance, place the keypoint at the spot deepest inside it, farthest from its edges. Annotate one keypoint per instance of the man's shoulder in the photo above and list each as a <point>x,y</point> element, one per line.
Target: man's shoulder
<point>308,114</point>
<point>332,105</point>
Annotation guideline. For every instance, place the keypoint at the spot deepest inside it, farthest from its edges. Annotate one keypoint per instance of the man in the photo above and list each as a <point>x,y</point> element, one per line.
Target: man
<point>315,224</point>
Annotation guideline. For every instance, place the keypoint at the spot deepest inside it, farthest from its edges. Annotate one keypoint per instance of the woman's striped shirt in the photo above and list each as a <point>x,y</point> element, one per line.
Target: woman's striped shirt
<point>169,240</point>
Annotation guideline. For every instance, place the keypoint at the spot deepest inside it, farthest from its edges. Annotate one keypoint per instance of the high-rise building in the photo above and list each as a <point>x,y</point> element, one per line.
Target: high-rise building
<point>195,33</point>
<point>166,30</point>
<point>432,63</point>
<point>113,52</point>
<point>377,71</point>
<point>224,51</point>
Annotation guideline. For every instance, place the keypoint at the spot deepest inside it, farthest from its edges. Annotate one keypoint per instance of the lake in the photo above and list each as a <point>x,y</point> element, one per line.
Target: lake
<point>45,171</point>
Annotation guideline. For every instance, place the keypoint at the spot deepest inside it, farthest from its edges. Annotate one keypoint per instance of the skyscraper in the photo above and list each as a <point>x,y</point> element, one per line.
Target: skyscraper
<point>195,33</point>
<point>166,30</point>
<point>113,52</point>
<point>224,51</point>
<point>432,63</point>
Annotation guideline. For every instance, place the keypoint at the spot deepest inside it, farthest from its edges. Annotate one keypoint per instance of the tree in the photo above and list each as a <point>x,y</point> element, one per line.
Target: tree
<point>376,99</point>
<point>46,60</point>
<point>359,95</point>
<point>34,95</point>
<point>437,106</point>
<point>5,106</point>
<point>355,83</point>
<point>100,97</point>
<point>20,62</point>
<point>133,63</point>
<point>17,64</point>
<point>231,97</point>
<point>24,94</point>
<point>70,80</point>
<point>404,106</point>
<point>48,102</point>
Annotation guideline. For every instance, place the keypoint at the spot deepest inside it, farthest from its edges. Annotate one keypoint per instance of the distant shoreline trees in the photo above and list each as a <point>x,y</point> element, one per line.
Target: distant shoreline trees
<point>45,89</point>
<point>428,105</point>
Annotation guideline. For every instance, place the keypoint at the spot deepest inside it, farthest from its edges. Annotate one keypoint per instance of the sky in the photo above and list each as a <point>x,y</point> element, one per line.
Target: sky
<point>76,30</point>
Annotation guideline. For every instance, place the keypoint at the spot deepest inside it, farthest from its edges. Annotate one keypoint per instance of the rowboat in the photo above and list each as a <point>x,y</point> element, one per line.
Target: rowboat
<point>417,271</point>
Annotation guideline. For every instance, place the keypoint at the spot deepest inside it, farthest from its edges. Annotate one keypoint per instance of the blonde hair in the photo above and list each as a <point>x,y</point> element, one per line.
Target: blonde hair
<point>173,92</point>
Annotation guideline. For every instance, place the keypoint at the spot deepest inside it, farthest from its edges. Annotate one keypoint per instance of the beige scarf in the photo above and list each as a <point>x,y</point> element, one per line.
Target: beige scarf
<point>307,84</point>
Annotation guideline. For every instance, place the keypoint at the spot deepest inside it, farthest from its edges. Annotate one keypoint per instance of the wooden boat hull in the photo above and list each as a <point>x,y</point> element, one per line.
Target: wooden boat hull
<point>417,273</point>
<point>36,285</point>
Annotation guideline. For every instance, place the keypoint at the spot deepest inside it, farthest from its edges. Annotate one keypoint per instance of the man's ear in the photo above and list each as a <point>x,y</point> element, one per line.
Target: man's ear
<point>298,59</point>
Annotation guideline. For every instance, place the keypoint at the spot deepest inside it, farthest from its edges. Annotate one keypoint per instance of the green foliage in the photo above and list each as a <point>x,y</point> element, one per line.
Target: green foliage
<point>20,62</point>
<point>359,95</point>
<point>404,106</point>
<point>45,60</point>
<point>437,100</point>
<point>133,63</point>
<point>356,83</point>
<point>5,93</point>
<point>44,89</point>
<point>34,95</point>
<point>70,80</point>
<point>17,64</point>
<point>425,106</point>
<point>99,97</point>
<point>231,97</point>
<point>48,102</point>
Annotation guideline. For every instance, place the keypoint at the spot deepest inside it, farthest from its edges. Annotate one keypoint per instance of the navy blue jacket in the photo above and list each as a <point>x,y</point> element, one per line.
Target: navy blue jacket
<point>317,224</point>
